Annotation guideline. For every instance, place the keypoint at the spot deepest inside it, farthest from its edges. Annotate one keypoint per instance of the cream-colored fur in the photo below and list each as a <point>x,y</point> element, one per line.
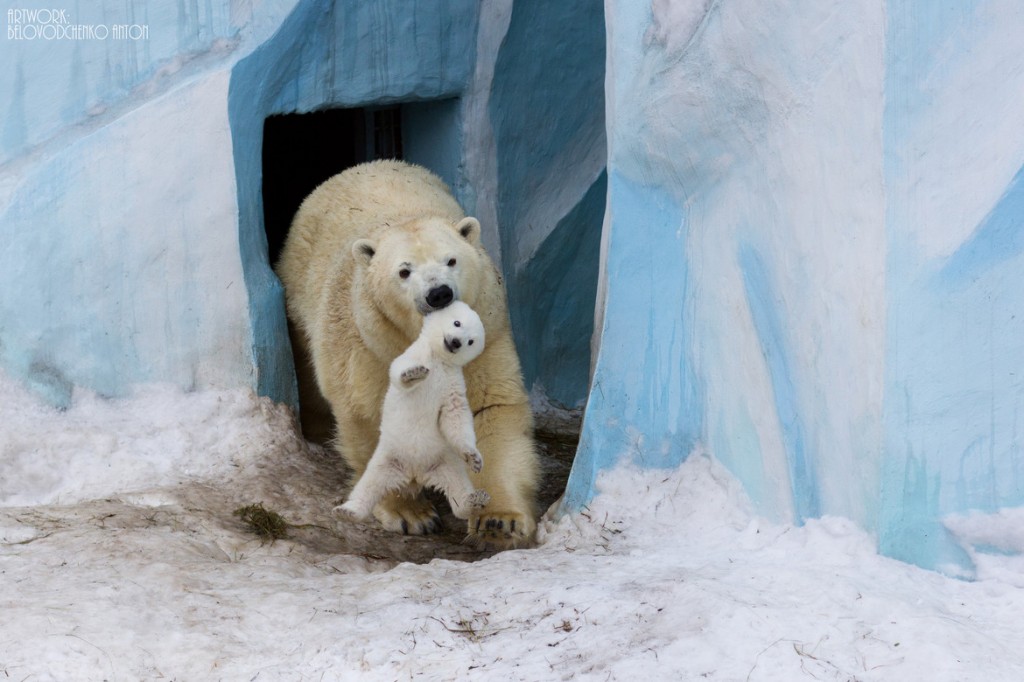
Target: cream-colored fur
<point>341,267</point>
<point>426,429</point>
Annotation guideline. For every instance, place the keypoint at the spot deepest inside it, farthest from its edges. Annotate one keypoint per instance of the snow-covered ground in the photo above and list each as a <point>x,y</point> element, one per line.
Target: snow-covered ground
<point>120,560</point>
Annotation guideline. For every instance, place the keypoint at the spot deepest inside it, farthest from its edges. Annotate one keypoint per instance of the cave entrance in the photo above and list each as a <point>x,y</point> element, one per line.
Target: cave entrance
<point>300,151</point>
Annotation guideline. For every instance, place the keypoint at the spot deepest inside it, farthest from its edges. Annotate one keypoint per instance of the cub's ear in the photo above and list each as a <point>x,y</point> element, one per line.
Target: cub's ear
<point>363,250</point>
<point>469,229</point>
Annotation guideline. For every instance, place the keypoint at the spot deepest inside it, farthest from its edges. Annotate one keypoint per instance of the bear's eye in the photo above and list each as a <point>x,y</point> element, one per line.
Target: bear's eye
<point>470,342</point>
<point>451,263</point>
<point>457,323</point>
<point>404,273</point>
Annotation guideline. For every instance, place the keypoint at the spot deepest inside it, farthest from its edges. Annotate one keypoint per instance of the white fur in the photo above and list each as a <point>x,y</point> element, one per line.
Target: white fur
<point>426,428</point>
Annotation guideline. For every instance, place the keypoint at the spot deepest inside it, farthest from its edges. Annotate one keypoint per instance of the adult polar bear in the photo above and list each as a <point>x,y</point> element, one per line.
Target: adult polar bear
<point>369,252</point>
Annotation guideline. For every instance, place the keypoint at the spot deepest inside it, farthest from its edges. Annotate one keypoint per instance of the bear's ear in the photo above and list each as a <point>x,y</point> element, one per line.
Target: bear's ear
<point>469,229</point>
<point>363,250</point>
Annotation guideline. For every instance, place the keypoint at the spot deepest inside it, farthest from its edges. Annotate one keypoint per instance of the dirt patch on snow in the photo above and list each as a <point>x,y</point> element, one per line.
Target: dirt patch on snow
<point>300,481</point>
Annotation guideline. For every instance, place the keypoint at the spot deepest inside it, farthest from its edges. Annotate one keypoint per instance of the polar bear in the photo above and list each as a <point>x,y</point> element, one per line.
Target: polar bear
<point>369,253</point>
<point>426,428</point>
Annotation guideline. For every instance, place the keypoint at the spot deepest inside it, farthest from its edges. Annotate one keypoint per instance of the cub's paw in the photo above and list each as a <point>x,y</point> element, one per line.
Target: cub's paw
<point>474,459</point>
<point>469,505</point>
<point>464,508</point>
<point>492,529</point>
<point>478,499</point>
<point>414,374</point>
<point>408,515</point>
<point>353,511</point>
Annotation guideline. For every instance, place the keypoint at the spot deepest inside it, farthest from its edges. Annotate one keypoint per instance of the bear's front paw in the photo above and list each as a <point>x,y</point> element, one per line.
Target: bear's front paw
<point>489,529</point>
<point>474,459</point>
<point>414,374</point>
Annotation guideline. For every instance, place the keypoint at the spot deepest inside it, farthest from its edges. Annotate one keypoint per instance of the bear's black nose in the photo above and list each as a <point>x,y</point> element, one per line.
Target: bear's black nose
<point>440,297</point>
<point>455,343</point>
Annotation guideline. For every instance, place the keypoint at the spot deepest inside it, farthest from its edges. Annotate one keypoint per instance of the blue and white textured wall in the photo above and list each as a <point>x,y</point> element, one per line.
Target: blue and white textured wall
<point>548,116</point>
<point>954,380</point>
<point>120,259</point>
<point>813,258</point>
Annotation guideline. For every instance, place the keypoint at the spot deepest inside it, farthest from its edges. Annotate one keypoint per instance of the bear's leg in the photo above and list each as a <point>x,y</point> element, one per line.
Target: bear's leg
<point>355,441</point>
<point>456,423</point>
<point>398,513</point>
<point>315,416</point>
<point>504,436</point>
<point>450,477</point>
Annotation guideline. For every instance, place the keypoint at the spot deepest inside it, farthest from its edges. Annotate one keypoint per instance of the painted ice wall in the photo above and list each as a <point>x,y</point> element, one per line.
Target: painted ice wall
<point>548,114</point>
<point>130,184</point>
<point>812,263</point>
<point>120,259</point>
<point>954,382</point>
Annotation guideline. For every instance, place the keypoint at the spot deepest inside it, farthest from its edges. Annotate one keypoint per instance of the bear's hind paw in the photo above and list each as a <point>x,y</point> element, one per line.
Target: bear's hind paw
<point>408,516</point>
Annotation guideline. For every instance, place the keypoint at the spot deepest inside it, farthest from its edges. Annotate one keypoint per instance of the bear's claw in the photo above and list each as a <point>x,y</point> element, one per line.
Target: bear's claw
<point>500,530</point>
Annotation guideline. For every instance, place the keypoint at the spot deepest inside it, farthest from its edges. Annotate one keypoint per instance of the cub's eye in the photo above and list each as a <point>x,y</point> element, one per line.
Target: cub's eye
<point>404,273</point>
<point>457,323</point>
<point>451,263</point>
<point>470,343</point>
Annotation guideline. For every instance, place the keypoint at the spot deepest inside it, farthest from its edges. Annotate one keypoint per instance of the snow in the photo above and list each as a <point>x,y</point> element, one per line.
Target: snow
<point>120,559</point>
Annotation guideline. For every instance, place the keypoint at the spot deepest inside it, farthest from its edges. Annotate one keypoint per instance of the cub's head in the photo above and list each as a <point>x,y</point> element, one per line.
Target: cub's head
<point>422,266</point>
<point>456,334</point>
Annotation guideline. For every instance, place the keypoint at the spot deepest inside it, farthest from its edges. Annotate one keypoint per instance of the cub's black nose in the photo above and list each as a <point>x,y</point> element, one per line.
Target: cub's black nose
<point>455,343</point>
<point>440,297</point>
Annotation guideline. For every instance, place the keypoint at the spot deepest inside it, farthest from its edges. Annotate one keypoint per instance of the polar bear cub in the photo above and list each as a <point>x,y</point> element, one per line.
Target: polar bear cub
<point>426,420</point>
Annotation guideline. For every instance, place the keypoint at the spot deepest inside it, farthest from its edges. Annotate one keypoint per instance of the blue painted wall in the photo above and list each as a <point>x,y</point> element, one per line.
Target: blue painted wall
<point>955,376</point>
<point>710,339</point>
<point>552,300</point>
<point>51,82</point>
<point>813,259</point>
<point>547,112</point>
<point>645,400</point>
<point>114,244</point>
